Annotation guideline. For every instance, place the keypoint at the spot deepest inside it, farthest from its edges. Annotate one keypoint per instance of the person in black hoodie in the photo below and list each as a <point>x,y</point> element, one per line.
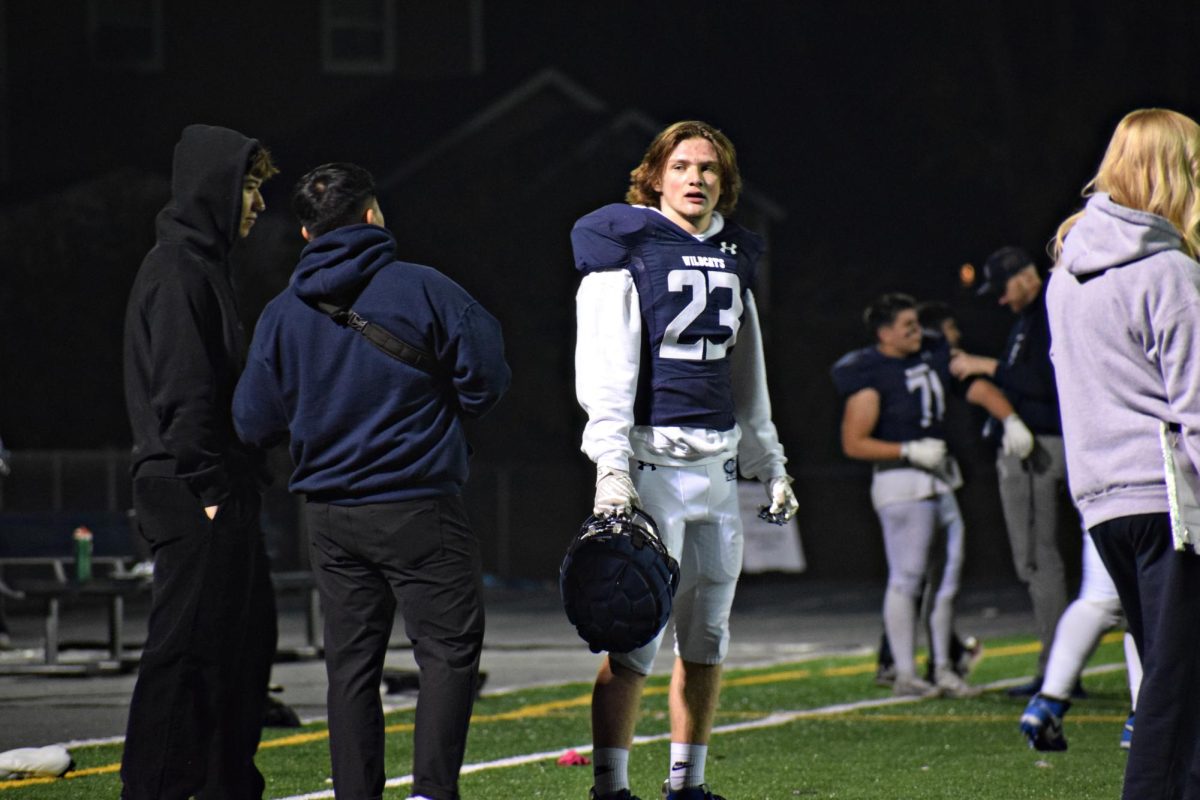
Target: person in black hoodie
<point>197,709</point>
<point>381,457</point>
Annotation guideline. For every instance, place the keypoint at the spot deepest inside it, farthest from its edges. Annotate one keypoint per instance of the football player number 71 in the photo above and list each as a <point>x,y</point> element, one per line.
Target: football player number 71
<point>711,340</point>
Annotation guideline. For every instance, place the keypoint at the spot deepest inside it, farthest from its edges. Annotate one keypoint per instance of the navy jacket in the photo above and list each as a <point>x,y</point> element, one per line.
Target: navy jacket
<point>366,428</point>
<point>1025,373</point>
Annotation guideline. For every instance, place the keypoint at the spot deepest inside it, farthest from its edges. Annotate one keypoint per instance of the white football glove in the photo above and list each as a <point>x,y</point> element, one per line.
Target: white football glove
<point>614,492</point>
<point>924,453</point>
<point>783,501</point>
<point>1018,439</point>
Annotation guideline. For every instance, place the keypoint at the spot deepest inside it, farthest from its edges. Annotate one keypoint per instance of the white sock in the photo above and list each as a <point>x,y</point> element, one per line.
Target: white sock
<point>1075,639</point>
<point>900,621</point>
<point>687,764</point>
<point>941,629</point>
<point>1133,666</point>
<point>610,769</point>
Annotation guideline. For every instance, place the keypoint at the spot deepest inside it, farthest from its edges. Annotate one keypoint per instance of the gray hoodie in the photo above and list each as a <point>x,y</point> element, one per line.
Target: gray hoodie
<point>1124,307</point>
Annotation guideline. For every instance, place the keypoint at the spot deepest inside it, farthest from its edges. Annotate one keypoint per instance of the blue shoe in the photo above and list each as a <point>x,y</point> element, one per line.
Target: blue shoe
<point>1127,732</point>
<point>1042,723</point>
<point>688,793</point>
<point>1025,689</point>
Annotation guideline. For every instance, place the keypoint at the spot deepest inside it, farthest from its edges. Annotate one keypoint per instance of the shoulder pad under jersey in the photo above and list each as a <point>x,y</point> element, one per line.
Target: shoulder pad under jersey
<point>604,238</point>
<point>855,371</point>
<point>749,243</point>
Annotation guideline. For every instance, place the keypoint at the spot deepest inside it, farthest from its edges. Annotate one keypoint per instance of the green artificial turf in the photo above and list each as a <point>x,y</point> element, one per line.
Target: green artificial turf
<point>922,750</point>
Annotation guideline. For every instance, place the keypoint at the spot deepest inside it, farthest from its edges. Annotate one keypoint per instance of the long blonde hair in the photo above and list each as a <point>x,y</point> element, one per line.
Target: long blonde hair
<point>1151,164</point>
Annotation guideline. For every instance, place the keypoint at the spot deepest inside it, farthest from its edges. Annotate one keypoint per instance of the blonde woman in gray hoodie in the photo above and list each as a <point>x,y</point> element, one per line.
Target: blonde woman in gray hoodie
<point>1124,308</point>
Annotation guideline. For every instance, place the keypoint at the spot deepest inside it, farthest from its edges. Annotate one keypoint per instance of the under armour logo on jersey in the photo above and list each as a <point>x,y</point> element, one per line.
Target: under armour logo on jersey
<point>729,247</point>
<point>642,465</point>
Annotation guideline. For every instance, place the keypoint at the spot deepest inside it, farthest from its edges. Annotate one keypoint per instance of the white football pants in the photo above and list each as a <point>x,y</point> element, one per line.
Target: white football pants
<point>696,509</point>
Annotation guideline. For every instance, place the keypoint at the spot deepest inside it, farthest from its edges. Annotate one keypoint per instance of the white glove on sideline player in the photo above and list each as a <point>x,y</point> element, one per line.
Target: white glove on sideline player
<point>1018,439</point>
<point>614,492</point>
<point>783,500</point>
<point>924,453</point>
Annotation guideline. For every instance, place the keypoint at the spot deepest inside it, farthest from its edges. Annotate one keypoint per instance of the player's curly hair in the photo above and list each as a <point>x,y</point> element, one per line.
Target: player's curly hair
<point>649,172</point>
<point>1152,164</point>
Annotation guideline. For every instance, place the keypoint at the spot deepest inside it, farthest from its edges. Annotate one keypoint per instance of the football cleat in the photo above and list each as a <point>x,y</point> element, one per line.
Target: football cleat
<point>885,676</point>
<point>914,687</point>
<point>1127,732</point>
<point>618,582</point>
<point>952,684</point>
<point>1042,723</point>
<point>700,792</point>
<point>620,794</point>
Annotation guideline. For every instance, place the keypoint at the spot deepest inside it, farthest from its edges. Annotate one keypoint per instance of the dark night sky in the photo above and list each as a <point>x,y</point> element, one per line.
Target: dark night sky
<point>901,139</point>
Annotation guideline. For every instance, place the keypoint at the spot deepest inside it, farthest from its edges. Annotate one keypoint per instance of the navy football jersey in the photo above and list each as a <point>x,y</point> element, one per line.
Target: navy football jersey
<point>691,294</point>
<point>912,390</point>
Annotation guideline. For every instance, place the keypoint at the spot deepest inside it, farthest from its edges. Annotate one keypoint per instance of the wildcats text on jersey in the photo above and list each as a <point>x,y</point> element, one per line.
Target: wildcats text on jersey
<point>703,261</point>
<point>692,296</point>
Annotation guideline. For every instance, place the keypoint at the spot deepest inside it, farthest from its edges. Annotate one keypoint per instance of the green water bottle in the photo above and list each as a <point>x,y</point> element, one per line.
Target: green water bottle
<point>83,554</point>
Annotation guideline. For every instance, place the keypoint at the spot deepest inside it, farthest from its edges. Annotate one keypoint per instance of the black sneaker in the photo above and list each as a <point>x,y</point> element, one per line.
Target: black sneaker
<point>688,793</point>
<point>620,794</point>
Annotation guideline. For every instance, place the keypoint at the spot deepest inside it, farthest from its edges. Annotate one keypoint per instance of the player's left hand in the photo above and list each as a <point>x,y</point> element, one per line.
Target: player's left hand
<point>963,365</point>
<point>783,500</point>
<point>1018,439</point>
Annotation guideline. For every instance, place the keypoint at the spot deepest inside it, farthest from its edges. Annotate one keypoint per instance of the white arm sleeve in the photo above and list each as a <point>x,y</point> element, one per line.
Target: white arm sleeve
<point>607,357</point>
<point>760,455</point>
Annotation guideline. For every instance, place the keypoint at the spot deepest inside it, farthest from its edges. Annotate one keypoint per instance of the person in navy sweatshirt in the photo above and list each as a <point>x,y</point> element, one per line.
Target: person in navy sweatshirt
<point>381,458</point>
<point>197,709</point>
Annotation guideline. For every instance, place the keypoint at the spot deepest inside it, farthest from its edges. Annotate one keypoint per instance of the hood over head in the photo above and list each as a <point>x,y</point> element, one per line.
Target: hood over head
<point>1112,235</point>
<point>206,188</point>
<point>339,263</point>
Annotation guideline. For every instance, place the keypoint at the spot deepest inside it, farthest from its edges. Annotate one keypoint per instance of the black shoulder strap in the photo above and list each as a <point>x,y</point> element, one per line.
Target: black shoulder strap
<point>382,338</point>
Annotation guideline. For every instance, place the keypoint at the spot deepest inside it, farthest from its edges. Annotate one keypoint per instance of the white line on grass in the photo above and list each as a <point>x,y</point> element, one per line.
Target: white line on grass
<point>770,721</point>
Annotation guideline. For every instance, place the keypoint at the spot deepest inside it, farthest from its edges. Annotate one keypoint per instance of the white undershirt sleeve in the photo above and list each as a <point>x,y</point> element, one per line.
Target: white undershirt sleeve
<point>760,455</point>
<point>607,358</point>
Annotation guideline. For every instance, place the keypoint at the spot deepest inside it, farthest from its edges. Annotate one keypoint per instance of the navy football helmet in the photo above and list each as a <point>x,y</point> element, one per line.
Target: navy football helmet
<point>618,582</point>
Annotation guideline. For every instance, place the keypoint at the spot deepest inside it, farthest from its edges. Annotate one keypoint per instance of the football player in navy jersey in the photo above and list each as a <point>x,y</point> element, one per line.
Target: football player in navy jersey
<point>669,368</point>
<point>895,393</point>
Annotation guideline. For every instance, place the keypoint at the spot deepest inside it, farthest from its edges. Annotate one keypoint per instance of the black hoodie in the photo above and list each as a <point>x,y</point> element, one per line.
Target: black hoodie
<point>184,346</point>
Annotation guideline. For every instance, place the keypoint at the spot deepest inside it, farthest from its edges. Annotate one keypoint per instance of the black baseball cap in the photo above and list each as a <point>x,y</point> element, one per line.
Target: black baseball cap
<point>1000,266</point>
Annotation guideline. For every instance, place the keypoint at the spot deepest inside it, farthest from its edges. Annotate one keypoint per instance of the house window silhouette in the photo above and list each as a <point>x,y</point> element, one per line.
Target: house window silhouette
<point>126,34</point>
<point>358,37</point>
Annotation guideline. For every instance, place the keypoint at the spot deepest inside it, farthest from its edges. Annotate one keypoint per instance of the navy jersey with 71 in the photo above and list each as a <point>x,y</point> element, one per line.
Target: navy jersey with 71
<point>691,294</point>
<point>912,390</point>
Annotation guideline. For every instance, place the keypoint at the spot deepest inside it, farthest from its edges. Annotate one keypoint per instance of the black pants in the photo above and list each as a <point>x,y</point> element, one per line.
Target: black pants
<point>1160,592</point>
<point>422,555</point>
<point>197,709</point>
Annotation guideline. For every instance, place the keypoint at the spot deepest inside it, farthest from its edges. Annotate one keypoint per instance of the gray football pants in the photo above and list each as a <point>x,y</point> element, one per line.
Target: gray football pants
<point>1029,495</point>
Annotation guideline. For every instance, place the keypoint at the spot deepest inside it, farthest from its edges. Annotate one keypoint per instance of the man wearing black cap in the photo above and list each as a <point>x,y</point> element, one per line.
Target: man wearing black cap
<point>1029,487</point>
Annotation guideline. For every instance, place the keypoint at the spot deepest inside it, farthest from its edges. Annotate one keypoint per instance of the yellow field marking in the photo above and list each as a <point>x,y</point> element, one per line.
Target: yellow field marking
<point>76,773</point>
<point>545,709</point>
<point>771,677</point>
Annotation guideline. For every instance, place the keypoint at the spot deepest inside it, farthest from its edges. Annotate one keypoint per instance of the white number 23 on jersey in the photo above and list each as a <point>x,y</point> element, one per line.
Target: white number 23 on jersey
<point>701,285</point>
